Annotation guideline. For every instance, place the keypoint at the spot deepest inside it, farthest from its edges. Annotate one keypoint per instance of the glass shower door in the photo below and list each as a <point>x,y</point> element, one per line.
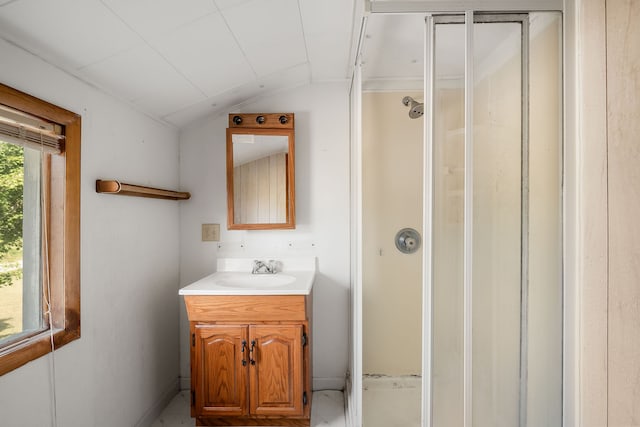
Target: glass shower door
<point>495,214</point>
<point>448,225</point>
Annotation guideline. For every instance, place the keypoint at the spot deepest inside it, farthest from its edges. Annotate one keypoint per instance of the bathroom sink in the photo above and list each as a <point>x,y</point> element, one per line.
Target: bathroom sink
<point>248,280</point>
<point>295,276</point>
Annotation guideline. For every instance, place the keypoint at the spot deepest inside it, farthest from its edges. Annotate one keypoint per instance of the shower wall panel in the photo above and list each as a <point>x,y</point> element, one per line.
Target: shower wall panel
<point>392,200</point>
<point>623,107</point>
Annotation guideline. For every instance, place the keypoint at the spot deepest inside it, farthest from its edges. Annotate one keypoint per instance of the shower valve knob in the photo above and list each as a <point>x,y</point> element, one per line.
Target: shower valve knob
<point>408,240</point>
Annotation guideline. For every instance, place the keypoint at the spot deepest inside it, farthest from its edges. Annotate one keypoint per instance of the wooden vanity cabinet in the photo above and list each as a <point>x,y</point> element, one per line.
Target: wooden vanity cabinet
<point>251,372</point>
<point>218,371</point>
<point>276,380</point>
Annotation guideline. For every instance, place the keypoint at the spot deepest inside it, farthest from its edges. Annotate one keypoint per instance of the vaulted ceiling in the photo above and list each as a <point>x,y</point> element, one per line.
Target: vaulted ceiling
<point>179,60</point>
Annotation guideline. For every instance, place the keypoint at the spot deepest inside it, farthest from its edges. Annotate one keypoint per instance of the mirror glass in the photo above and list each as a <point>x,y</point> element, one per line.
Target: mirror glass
<point>260,178</point>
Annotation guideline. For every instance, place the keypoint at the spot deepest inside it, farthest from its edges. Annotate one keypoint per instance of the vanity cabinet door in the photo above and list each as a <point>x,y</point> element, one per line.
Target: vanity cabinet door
<point>219,370</point>
<point>276,378</point>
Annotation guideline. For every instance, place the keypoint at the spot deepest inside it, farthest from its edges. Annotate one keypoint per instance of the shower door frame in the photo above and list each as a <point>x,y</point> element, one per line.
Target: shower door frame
<point>466,9</point>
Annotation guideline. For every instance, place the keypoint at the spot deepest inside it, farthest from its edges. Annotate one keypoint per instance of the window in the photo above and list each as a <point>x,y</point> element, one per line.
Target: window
<point>20,241</point>
<point>39,228</point>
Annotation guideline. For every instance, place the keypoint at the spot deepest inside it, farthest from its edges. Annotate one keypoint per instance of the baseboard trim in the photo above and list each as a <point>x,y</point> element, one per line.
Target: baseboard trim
<point>336,383</point>
<point>185,383</point>
<point>162,401</point>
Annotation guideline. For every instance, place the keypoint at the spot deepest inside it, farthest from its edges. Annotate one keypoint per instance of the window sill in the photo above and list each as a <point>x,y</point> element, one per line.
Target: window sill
<point>33,347</point>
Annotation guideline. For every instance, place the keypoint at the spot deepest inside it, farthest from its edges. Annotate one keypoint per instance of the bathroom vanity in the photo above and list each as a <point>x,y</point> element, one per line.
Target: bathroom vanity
<point>250,344</point>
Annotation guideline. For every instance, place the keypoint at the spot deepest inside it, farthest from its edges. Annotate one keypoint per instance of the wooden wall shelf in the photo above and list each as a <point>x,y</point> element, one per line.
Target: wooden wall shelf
<point>117,187</point>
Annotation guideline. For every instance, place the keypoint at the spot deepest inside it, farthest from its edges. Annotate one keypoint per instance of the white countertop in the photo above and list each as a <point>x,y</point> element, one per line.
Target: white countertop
<point>295,276</point>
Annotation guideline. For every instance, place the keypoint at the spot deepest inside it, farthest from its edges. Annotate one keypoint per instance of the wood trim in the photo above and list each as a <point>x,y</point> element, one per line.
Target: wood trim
<point>291,174</point>
<point>246,421</point>
<point>117,187</point>
<point>37,107</point>
<point>71,260</point>
<point>230,197</point>
<point>62,216</point>
<point>308,371</point>
<point>271,120</point>
<point>238,308</point>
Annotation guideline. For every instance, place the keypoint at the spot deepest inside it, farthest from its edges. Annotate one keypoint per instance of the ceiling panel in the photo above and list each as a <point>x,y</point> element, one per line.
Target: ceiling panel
<point>151,18</point>
<point>393,47</point>
<point>269,33</point>
<point>328,37</point>
<point>175,96</point>
<point>326,16</point>
<point>142,76</point>
<point>286,78</point>
<point>180,60</point>
<point>329,56</point>
<point>70,33</point>
<point>233,99</point>
<point>207,54</point>
<point>223,104</point>
<point>226,4</point>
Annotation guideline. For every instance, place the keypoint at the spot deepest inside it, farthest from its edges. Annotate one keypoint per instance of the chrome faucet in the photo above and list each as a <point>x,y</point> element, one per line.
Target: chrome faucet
<point>261,267</point>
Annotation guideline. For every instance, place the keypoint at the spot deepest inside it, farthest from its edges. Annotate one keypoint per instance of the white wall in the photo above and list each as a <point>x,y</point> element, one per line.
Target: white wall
<point>322,214</point>
<point>126,362</point>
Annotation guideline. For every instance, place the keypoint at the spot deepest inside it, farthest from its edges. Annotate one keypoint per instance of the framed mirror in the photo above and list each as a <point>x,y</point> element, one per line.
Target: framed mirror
<point>260,172</point>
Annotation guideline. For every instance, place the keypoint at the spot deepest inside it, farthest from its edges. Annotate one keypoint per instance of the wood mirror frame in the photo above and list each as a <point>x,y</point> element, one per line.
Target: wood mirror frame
<point>271,199</point>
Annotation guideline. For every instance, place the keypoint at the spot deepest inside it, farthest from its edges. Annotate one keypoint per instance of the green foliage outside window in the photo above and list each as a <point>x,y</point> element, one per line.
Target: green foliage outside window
<point>11,195</point>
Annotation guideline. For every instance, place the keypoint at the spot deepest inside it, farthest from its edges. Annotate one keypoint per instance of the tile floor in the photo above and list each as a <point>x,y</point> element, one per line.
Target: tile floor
<point>327,411</point>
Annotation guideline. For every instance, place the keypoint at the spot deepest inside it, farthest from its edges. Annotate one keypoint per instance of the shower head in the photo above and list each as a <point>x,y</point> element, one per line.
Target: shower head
<point>416,109</point>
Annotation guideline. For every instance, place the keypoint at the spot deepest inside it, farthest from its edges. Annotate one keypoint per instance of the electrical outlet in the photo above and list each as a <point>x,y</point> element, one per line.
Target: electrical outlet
<point>210,232</point>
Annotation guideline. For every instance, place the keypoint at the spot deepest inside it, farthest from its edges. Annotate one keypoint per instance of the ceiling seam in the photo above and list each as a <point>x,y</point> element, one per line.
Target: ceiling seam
<point>304,40</point>
<point>261,94</point>
<point>196,87</point>
<point>356,26</point>
<point>91,85</point>
<point>8,3</point>
<point>235,39</point>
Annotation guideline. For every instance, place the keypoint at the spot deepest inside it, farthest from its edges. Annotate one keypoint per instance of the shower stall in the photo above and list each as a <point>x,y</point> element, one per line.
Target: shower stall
<point>457,169</point>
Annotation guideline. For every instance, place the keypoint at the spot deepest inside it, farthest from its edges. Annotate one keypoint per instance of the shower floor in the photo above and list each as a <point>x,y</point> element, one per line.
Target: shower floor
<point>391,401</point>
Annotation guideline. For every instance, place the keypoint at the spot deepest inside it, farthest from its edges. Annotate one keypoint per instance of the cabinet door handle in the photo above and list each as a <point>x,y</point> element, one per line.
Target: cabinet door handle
<point>244,346</point>
<point>253,345</point>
